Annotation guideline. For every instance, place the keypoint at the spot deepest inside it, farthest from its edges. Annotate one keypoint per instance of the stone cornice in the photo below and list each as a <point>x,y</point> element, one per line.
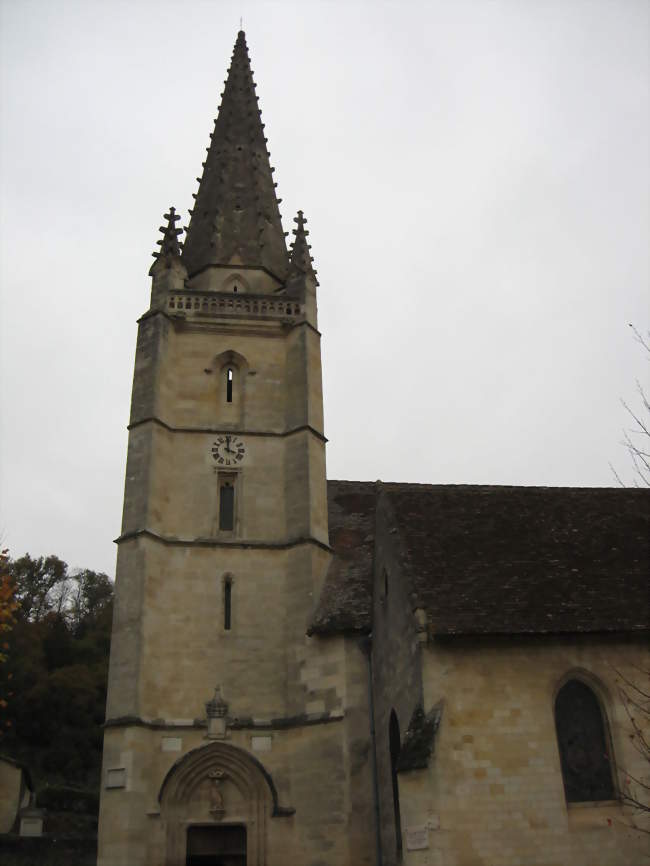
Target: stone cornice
<point>215,431</point>
<point>216,542</point>
<point>281,723</point>
<point>231,323</point>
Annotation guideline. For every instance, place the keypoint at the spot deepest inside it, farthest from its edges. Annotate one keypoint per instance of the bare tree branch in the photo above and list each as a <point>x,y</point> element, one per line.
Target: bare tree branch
<point>636,439</point>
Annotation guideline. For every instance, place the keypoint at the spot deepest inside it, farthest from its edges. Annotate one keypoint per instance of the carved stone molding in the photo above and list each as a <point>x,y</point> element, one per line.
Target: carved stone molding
<point>238,783</point>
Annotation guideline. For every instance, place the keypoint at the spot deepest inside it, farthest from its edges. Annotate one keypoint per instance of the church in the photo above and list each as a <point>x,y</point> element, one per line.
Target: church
<point>307,672</point>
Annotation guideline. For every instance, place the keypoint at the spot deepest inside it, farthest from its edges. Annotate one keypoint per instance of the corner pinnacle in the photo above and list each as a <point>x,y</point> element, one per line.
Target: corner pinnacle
<point>170,248</point>
<point>301,260</point>
<point>169,245</point>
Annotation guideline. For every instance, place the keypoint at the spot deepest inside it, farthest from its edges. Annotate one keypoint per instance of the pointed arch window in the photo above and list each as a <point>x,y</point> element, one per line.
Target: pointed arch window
<point>233,371</point>
<point>582,736</point>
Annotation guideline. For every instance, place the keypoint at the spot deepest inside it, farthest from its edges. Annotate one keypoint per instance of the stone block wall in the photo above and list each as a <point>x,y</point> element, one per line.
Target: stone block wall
<point>493,792</point>
<point>320,770</point>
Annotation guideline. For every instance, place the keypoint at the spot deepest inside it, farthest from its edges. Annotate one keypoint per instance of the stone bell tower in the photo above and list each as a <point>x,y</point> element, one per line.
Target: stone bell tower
<point>224,545</point>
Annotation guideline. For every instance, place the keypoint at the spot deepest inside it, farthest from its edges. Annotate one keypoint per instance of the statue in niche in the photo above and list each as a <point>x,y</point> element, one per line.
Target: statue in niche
<point>217,808</point>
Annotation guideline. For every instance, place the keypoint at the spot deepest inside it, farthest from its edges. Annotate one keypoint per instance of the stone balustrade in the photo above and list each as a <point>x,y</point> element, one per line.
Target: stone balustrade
<point>220,304</point>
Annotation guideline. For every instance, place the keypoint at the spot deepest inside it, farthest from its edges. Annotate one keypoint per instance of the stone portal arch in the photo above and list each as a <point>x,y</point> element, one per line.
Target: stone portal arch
<point>217,784</point>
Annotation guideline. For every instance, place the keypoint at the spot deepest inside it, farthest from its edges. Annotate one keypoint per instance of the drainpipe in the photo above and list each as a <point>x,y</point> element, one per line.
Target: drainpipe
<point>366,648</point>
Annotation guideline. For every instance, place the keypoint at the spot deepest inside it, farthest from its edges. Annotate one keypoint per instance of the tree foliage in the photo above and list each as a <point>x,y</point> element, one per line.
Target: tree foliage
<point>57,666</point>
<point>8,608</point>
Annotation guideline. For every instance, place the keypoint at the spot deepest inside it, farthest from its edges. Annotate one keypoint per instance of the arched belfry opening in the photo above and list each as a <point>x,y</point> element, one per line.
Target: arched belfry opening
<point>232,369</point>
<point>215,804</point>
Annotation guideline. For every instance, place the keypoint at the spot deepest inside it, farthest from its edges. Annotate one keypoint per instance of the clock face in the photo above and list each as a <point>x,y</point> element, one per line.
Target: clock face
<point>228,450</point>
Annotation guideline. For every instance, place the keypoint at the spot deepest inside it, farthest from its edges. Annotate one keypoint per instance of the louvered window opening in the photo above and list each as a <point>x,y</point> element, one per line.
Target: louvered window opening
<point>227,507</point>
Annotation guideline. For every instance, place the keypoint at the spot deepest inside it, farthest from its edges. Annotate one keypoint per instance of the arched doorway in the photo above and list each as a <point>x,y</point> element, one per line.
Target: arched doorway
<point>214,804</point>
<point>223,845</point>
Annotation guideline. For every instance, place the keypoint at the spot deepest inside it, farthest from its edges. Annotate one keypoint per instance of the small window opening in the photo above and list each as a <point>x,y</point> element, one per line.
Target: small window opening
<point>229,380</point>
<point>227,507</point>
<point>385,584</point>
<point>227,604</point>
<point>234,288</point>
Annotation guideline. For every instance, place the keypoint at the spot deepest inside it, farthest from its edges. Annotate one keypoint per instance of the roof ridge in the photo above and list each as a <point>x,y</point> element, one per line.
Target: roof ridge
<point>390,486</point>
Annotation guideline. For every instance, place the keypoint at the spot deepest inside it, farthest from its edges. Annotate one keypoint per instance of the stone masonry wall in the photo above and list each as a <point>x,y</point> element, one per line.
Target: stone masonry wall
<point>321,770</point>
<point>493,793</point>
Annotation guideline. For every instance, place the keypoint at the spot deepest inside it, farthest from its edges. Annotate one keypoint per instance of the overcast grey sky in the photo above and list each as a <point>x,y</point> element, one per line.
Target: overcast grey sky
<point>475,175</point>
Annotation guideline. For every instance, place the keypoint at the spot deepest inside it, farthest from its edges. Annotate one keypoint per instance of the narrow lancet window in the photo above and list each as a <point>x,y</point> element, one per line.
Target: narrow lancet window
<point>583,743</point>
<point>227,506</point>
<point>227,604</point>
<point>229,379</point>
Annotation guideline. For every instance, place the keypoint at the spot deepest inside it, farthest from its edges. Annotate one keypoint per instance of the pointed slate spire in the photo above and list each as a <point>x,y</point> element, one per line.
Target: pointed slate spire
<point>301,259</point>
<point>236,217</point>
<point>169,245</point>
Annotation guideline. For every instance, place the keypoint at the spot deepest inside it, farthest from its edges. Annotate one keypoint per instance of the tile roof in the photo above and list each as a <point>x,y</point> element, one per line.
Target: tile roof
<point>496,560</point>
<point>346,598</point>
